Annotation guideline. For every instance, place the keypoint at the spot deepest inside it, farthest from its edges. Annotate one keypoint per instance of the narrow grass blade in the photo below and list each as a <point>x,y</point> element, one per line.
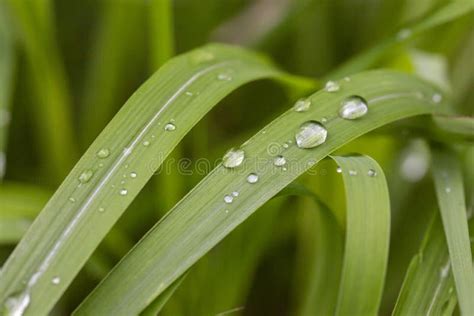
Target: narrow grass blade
<point>7,65</point>
<point>367,236</point>
<point>428,287</point>
<point>199,221</point>
<point>161,32</point>
<point>117,166</point>
<point>155,308</point>
<point>450,193</point>
<point>460,127</point>
<point>51,100</point>
<point>367,59</point>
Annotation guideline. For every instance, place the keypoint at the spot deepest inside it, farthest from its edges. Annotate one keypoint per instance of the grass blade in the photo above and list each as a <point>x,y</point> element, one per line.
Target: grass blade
<point>199,221</point>
<point>367,236</point>
<point>450,193</point>
<point>422,293</point>
<point>162,33</point>
<point>133,145</point>
<point>158,304</point>
<point>461,127</point>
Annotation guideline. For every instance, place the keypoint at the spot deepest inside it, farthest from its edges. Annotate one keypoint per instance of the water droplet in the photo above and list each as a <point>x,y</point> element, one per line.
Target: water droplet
<point>352,172</point>
<point>235,194</point>
<point>324,119</point>
<point>228,199</point>
<point>447,189</point>
<point>279,161</point>
<point>233,158</point>
<point>189,93</point>
<point>224,77</point>
<point>170,127</point>
<point>123,192</point>
<point>72,200</point>
<point>226,211</point>
<point>201,56</point>
<point>332,86</point>
<point>302,105</point>
<point>101,209</point>
<point>353,107</point>
<point>285,145</point>
<point>103,153</point>
<point>437,98</point>
<point>339,170</point>
<point>311,134</point>
<point>146,143</point>
<point>252,178</point>
<point>56,280</point>
<point>347,79</point>
<point>85,176</point>
<point>16,305</point>
<point>372,173</point>
<point>404,34</point>
<point>133,174</point>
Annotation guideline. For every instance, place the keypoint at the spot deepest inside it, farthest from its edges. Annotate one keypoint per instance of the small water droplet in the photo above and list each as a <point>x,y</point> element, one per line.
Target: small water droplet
<point>228,199</point>
<point>352,172</point>
<point>133,174</point>
<point>72,200</point>
<point>85,176</point>
<point>353,107</point>
<point>103,153</point>
<point>189,93</point>
<point>302,105</point>
<point>437,98</point>
<point>331,86</point>
<point>311,134</point>
<point>372,173</point>
<point>279,161</point>
<point>56,280</point>
<point>101,209</point>
<point>235,194</point>
<point>404,34</point>
<point>324,119</point>
<point>201,56</point>
<point>285,145</point>
<point>16,305</point>
<point>123,192</point>
<point>224,77</point>
<point>170,127</point>
<point>146,143</point>
<point>447,189</point>
<point>252,178</point>
<point>233,158</point>
<point>339,170</point>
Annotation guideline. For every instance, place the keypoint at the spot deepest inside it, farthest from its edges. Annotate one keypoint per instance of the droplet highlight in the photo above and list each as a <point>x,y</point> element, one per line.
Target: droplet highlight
<point>311,134</point>
<point>302,105</point>
<point>56,280</point>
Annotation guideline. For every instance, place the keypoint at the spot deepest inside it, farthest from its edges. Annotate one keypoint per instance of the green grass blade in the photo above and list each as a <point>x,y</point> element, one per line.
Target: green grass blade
<point>460,127</point>
<point>161,32</point>
<point>199,221</point>
<point>51,104</point>
<point>117,166</point>
<point>367,236</point>
<point>367,59</point>
<point>158,304</point>
<point>450,193</point>
<point>428,284</point>
<point>7,65</point>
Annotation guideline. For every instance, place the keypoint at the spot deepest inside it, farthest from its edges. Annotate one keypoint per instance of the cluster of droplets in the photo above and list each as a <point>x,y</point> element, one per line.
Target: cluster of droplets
<point>352,172</point>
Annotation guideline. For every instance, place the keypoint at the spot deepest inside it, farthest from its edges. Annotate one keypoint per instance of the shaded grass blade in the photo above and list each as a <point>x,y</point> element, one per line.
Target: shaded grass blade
<point>367,236</point>
<point>117,166</point>
<point>199,221</point>
<point>460,127</point>
<point>157,305</point>
<point>450,193</point>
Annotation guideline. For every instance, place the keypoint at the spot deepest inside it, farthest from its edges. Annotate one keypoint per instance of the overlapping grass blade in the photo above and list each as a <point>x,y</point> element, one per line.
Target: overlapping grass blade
<point>157,305</point>
<point>117,166</point>
<point>367,236</point>
<point>7,65</point>
<point>200,220</point>
<point>460,127</point>
<point>367,59</point>
<point>428,285</point>
<point>450,193</point>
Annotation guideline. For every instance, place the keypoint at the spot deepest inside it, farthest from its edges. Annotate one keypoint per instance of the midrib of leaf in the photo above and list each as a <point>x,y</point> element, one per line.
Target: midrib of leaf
<point>62,232</point>
<point>198,221</point>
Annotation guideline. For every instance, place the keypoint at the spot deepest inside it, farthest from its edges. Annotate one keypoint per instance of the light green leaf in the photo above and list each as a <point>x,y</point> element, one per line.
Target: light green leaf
<point>461,127</point>
<point>450,193</point>
<point>200,220</point>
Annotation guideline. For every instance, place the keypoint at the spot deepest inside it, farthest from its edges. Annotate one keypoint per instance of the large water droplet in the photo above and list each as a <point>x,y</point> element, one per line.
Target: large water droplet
<point>16,305</point>
<point>233,158</point>
<point>279,161</point>
<point>311,134</point>
<point>228,199</point>
<point>123,192</point>
<point>353,107</point>
<point>170,127</point>
<point>103,153</point>
<point>252,178</point>
<point>332,86</point>
<point>302,105</point>
<point>85,176</point>
<point>56,280</point>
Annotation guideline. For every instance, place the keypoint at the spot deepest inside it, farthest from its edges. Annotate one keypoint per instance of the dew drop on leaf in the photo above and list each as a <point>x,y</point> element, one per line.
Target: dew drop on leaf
<point>302,105</point>
<point>170,127</point>
<point>279,161</point>
<point>228,199</point>
<point>332,86</point>
<point>103,153</point>
<point>123,192</point>
<point>372,173</point>
<point>311,134</point>
<point>224,77</point>
<point>85,176</point>
<point>233,158</point>
<point>56,280</point>
<point>252,178</point>
<point>235,194</point>
<point>133,174</point>
<point>353,107</point>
